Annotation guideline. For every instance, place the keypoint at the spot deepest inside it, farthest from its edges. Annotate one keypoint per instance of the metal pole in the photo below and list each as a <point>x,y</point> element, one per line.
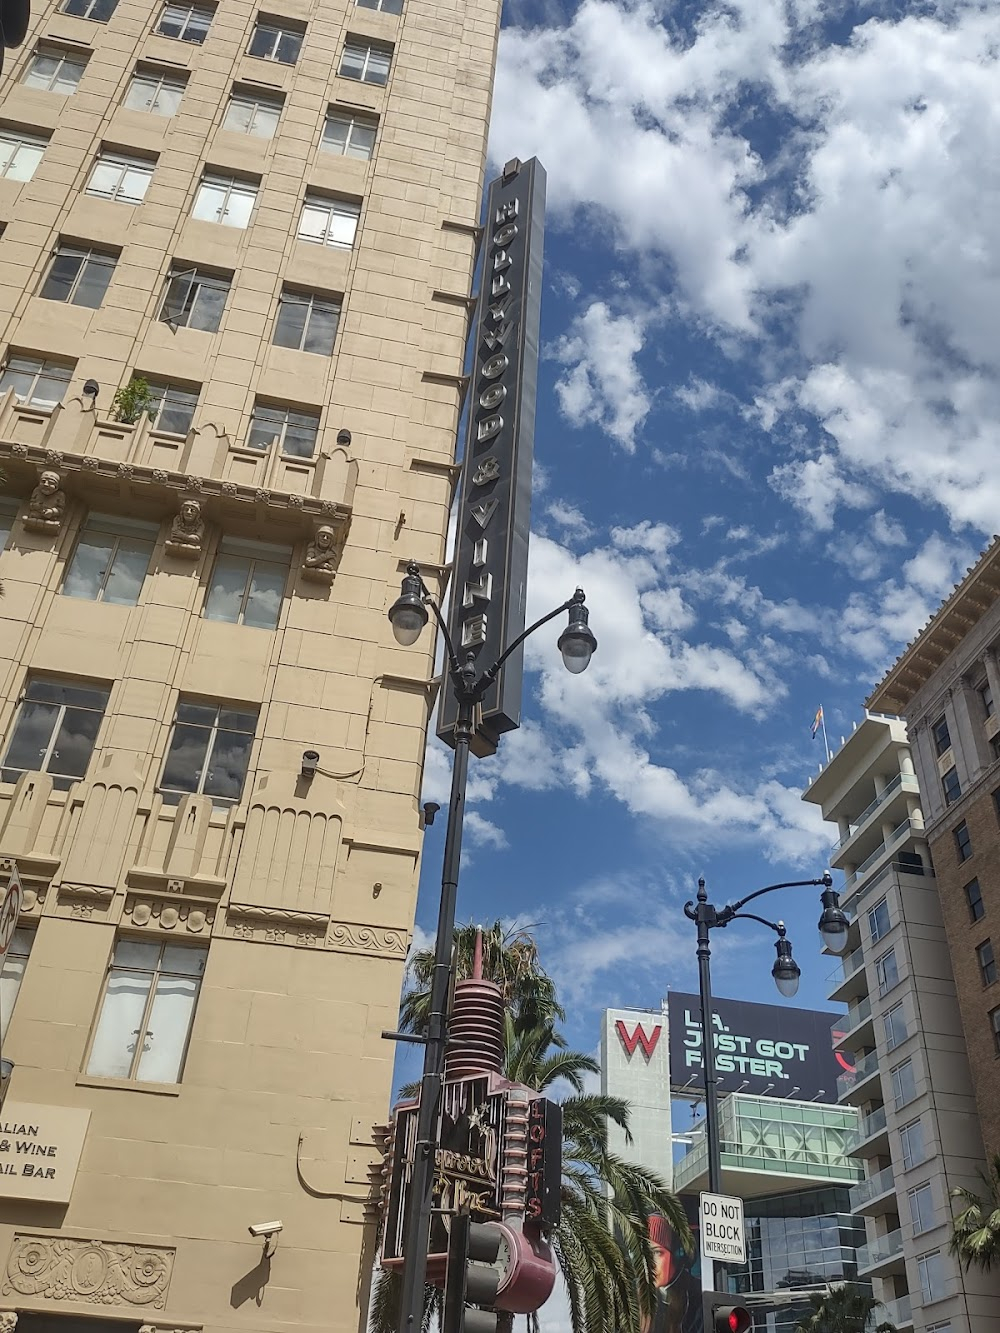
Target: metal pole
<point>416,1235</point>
<point>708,1042</point>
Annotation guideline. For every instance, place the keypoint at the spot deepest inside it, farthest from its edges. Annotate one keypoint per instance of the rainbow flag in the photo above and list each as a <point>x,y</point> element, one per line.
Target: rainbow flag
<point>817,721</point>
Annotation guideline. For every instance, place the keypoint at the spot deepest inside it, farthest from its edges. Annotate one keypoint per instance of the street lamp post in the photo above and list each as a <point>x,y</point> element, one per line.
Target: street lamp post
<point>833,926</point>
<point>408,616</point>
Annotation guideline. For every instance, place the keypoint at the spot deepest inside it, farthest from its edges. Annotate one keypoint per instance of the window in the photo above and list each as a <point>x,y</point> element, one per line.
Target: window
<point>295,431</point>
<point>225,199</point>
<point>987,963</point>
<point>78,275</point>
<point>932,1276</point>
<point>951,786</point>
<point>878,920</point>
<point>147,1011</point>
<point>367,61</point>
<point>974,897</point>
<point>894,1026</point>
<point>209,752</point>
<point>348,135</point>
<point>921,1208</point>
<point>40,383</point>
<point>98,10</point>
<point>886,971</point>
<point>270,41</point>
<point>986,694</point>
<point>15,960</point>
<point>111,559</point>
<point>911,1139</point>
<point>188,23</point>
<point>8,513</point>
<point>329,221</point>
<point>942,736</point>
<point>995,745</point>
<point>306,322</point>
<point>125,179</point>
<point>175,407</point>
<point>383,6</point>
<point>995,1025</point>
<point>904,1084</point>
<point>54,731</point>
<point>963,841</point>
<point>55,71</point>
<point>194,299</point>
<point>155,91</point>
<point>252,113</point>
<point>20,154</point>
<point>248,583</point>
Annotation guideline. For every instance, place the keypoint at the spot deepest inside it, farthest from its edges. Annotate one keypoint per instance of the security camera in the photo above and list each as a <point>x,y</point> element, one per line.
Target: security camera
<point>310,762</point>
<point>265,1228</point>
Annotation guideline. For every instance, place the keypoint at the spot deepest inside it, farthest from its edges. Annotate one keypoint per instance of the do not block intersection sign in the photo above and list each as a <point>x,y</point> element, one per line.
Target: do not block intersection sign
<point>723,1235</point>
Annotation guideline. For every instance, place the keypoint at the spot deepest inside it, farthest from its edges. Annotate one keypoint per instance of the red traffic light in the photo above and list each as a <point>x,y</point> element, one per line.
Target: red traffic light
<point>733,1319</point>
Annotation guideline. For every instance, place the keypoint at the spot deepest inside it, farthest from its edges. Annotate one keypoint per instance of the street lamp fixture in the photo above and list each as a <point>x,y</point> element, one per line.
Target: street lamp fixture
<point>408,616</point>
<point>786,971</point>
<point>834,923</point>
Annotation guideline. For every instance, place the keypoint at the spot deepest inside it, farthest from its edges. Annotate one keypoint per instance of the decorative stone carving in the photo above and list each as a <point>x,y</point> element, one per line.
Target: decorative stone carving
<point>47,505</point>
<point>8,1321</point>
<point>262,497</point>
<point>322,555</point>
<point>195,483</point>
<point>378,940</point>
<point>159,475</point>
<point>91,463</point>
<point>154,914</point>
<point>187,532</point>
<point>19,450</point>
<point>59,1269</point>
<point>229,488</point>
<point>53,457</point>
<point>125,470</point>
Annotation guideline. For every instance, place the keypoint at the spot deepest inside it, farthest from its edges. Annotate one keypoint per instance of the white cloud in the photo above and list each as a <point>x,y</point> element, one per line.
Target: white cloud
<point>862,247</point>
<point>570,519</point>
<point>698,395</point>
<point>602,385</point>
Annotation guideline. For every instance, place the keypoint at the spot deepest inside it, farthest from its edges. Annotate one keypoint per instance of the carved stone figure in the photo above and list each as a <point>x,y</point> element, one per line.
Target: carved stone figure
<point>96,1271</point>
<point>187,532</point>
<point>320,563</point>
<point>47,505</point>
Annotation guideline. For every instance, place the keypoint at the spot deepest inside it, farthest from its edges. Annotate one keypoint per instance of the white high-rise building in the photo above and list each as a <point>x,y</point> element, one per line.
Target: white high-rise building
<point>635,1064</point>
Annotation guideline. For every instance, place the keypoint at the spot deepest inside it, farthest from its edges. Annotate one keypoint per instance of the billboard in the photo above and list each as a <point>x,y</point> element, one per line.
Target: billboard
<point>760,1049</point>
<point>635,1065</point>
<point>491,555</point>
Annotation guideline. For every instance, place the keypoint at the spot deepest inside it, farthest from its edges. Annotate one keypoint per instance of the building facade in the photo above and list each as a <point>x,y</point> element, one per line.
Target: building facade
<point>235,265</point>
<point>635,1064</point>
<point>789,1162</point>
<point>945,684</point>
<point>918,1136</point>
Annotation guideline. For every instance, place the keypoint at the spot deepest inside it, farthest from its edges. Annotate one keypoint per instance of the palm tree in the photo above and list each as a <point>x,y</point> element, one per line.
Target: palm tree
<point>602,1241</point>
<point>845,1308</point>
<point>975,1237</point>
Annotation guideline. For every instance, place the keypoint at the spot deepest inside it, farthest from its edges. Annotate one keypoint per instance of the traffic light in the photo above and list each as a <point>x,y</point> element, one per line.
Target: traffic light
<point>473,1248</point>
<point>721,1316</point>
<point>14,18</point>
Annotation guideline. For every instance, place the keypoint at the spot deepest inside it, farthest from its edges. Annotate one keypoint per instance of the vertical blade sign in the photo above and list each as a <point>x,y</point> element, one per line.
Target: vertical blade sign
<point>491,553</point>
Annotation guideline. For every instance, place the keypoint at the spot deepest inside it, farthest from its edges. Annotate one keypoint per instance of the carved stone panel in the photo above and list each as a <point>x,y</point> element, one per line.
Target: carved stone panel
<point>95,1271</point>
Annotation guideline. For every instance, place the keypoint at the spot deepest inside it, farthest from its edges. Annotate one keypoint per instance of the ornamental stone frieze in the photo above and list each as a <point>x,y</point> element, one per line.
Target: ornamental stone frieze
<point>98,1272</point>
<point>310,930</point>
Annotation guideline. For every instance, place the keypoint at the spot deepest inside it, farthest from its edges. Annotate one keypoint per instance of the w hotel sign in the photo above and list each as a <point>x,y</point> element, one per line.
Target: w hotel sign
<point>491,557</point>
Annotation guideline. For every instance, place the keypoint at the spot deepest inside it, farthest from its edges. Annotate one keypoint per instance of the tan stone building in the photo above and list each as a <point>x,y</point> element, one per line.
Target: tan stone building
<point>211,745</point>
<point>947,686</point>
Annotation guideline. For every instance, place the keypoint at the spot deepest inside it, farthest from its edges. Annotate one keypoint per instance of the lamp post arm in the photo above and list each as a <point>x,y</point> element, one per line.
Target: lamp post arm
<point>488,677</point>
<point>730,911</point>
<point>429,600</point>
<point>777,926</point>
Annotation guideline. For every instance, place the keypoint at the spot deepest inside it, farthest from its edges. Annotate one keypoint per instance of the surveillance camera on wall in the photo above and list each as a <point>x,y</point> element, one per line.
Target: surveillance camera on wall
<point>310,762</point>
<point>265,1228</point>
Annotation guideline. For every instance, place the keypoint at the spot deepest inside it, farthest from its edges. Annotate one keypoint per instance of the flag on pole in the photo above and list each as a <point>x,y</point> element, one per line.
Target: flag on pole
<point>817,721</point>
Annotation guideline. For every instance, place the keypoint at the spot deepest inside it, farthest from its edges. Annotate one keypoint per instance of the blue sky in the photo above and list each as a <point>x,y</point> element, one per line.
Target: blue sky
<point>765,446</point>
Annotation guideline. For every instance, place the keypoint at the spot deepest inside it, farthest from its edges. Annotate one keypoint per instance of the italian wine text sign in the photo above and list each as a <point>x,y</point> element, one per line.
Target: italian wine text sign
<point>40,1150</point>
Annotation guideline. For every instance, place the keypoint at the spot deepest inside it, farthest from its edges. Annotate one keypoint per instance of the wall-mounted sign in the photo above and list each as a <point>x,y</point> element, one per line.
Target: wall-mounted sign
<point>489,576</point>
<point>760,1049</point>
<point>638,1037</point>
<point>40,1149</point>
<point>544,1162</point>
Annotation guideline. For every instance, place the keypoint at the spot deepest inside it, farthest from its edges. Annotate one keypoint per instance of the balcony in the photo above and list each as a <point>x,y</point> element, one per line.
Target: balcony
<point>847,1026</point>
<point>849,1086</point>
<point>882,1253</point>
<point>871,1127</point>
<point>897,1312</point>
<point>901,782</point>
<point>867,1193</point>
<point>897,835</point>
<point>848,979</point>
